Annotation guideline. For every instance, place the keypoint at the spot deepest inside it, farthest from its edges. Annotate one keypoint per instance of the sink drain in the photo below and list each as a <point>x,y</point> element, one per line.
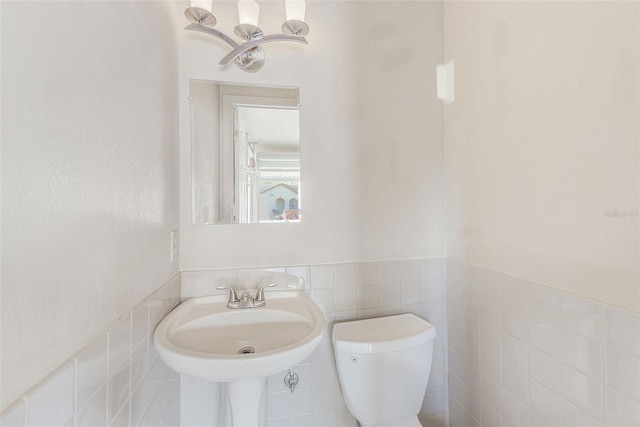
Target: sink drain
<point>246,350</point>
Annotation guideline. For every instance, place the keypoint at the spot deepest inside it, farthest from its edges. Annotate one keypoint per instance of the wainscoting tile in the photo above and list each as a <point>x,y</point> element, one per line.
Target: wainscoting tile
<point>107,382</point>
<point>563,360</point>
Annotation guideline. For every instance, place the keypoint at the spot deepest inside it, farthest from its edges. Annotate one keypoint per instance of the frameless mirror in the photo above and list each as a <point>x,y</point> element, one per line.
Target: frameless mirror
<point>245,153</point>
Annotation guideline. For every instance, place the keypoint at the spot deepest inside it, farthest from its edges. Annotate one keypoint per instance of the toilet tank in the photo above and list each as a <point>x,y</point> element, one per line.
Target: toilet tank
<point>383,366</point>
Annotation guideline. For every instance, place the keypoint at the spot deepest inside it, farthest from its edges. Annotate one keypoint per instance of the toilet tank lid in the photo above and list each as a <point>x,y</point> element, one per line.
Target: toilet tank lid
<point>382,334</point>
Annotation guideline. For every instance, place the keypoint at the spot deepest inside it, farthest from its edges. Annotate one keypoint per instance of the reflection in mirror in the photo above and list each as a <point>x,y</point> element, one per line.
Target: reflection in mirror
<point>245,147</point>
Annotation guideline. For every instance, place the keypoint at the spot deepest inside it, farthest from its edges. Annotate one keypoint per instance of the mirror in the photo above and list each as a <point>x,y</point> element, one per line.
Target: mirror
<point>245,153</point>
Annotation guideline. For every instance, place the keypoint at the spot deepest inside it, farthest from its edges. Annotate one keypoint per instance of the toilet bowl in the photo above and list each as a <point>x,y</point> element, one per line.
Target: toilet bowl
<point>383,367</point>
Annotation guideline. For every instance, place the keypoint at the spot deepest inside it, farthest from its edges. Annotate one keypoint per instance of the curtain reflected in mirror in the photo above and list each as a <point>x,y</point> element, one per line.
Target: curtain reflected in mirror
<point>245,147</point>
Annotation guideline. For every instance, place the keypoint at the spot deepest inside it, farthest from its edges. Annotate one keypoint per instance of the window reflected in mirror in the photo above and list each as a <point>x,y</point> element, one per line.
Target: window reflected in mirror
<point>245,144</point>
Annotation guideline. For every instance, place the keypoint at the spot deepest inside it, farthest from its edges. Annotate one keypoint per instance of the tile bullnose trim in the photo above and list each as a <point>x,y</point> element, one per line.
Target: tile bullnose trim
<point>563,291</point>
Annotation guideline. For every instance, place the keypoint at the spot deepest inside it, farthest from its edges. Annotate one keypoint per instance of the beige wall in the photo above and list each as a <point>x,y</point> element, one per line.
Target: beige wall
<point>371,136</point>
<point>89,173</point>
<point>542,143</point>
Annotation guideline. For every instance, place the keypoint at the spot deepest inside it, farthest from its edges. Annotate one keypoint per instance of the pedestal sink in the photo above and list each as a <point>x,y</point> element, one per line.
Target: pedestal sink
<point>202,338</point>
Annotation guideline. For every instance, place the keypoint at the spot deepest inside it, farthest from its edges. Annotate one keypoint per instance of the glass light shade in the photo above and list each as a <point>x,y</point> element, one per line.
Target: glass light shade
<point>248,12</point>
<point>295,9</point>
<point>202,4</point>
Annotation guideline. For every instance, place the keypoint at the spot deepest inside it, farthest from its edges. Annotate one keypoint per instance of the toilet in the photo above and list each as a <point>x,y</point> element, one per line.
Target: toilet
<point>383,367</point>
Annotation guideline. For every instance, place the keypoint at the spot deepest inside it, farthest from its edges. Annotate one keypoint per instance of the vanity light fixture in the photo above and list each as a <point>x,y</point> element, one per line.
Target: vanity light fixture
<point>248,54</point>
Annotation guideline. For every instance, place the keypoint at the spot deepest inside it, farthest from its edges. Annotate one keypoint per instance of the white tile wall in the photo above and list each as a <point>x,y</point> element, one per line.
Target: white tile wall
<point>116,380</point>
<point>547,358</point>
<point>519,354</point>
<point>343,292</point>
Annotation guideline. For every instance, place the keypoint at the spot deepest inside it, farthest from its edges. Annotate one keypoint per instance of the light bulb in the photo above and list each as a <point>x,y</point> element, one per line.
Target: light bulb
<point>248,12</point>
<point>202,4</point>
<point>295,9</point>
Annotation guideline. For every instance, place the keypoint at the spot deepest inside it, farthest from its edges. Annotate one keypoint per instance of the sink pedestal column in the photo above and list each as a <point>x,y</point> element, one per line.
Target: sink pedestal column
<point>245,403</point>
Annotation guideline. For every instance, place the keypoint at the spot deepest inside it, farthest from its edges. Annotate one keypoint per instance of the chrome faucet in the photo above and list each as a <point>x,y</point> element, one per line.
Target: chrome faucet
<point>246,300</point>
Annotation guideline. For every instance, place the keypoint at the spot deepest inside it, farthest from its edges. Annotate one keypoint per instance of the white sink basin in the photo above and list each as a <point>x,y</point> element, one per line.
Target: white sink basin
<point>202,338</point>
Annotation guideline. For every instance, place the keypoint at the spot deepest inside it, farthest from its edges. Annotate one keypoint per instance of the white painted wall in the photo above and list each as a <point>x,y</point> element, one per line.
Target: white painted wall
<point>542,141</point>
<point>541,145</point>
<point>89,173</point>
<point>371,136</point>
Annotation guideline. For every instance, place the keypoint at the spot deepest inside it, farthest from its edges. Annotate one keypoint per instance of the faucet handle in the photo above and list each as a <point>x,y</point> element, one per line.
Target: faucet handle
<point>233,297</point>
<point>260,294</point>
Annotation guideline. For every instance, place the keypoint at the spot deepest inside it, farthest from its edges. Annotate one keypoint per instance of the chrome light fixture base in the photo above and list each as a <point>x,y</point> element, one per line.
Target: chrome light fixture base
<point>252,60</point>
<point>294,27</point>
<point>198,15</point>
